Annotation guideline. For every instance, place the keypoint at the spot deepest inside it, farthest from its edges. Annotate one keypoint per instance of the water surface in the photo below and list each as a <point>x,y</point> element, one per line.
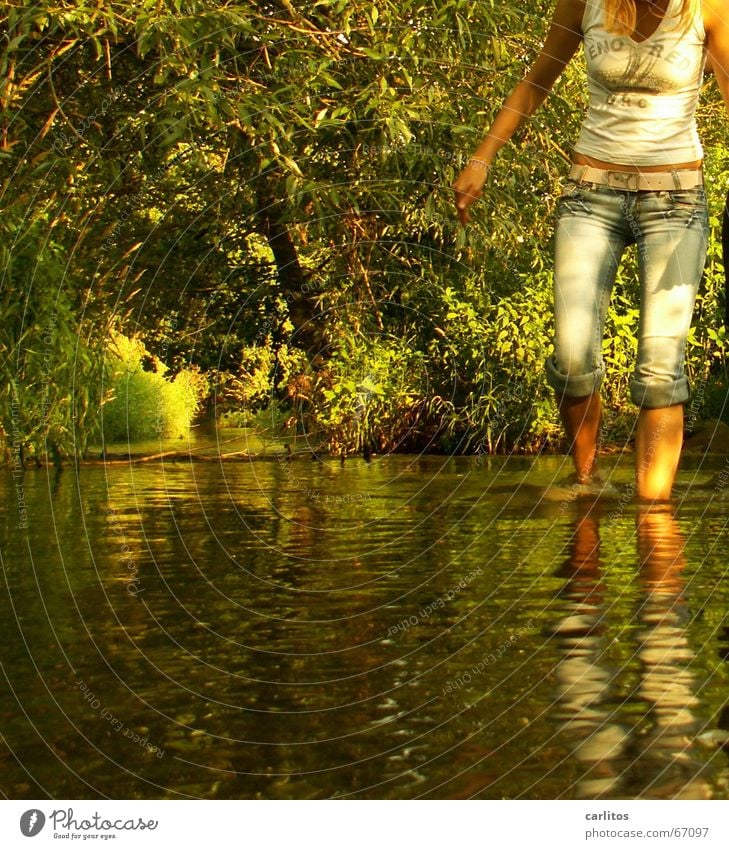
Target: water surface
<point>410,627</point>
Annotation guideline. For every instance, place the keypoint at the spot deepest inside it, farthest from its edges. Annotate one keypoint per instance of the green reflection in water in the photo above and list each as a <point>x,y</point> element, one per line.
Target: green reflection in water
<point>412,627</point>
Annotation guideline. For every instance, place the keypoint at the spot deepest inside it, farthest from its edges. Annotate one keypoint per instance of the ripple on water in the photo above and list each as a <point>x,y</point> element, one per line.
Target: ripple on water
<point>434,627</point>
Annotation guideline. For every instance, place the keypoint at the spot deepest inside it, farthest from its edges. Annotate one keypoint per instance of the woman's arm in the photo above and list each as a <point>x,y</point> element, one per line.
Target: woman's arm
<point>563,39</point>
<point>716,26</point>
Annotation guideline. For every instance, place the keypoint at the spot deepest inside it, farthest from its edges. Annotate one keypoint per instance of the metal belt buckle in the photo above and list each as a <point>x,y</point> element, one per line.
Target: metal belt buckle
<point>625,180</point>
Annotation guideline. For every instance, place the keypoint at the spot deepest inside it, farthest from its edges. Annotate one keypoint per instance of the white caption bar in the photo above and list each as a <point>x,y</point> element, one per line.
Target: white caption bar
<point>364,824</point>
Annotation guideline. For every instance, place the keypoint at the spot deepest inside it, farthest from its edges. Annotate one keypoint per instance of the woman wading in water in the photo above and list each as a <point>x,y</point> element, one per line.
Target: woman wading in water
<point>635,178</point>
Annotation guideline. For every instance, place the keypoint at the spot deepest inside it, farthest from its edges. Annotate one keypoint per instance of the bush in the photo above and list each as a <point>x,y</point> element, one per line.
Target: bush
<point>144,404</point>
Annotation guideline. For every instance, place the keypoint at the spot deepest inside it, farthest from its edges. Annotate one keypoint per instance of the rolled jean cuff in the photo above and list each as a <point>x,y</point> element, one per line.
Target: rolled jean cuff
<point>573,385</point>
<point>664,394</point>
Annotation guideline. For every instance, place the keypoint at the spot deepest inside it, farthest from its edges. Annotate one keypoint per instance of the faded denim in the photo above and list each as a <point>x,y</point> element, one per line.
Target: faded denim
<point>594,226</point>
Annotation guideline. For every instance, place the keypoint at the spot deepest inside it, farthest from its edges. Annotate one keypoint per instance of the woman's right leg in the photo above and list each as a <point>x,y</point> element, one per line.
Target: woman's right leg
<point>581,421</point>
<point>589,243</point>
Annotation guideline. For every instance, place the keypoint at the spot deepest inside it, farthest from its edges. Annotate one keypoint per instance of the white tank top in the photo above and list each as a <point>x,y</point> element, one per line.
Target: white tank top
<point>642,95</point>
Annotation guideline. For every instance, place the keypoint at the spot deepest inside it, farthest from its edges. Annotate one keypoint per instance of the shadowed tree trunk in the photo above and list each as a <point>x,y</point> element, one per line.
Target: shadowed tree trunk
<point>291,277</point>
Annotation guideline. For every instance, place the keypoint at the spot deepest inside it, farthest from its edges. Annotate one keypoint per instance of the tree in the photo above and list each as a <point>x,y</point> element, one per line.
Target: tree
<point>230,178</point>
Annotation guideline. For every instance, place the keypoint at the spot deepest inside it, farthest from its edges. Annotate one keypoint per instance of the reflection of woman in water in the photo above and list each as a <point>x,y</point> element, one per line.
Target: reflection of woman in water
<point>631,730</point>
<point>636,178</point>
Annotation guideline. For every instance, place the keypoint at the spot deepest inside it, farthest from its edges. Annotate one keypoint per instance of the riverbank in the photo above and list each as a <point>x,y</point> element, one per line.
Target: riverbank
<point>230,445</point>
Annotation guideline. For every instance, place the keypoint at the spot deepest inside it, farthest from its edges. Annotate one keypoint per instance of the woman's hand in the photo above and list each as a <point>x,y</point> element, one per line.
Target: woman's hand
<point>468,187</point>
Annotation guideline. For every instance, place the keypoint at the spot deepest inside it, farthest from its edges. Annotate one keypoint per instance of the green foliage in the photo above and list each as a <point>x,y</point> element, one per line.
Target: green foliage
<point>493,350</point>
<point>368,397</point>
<point>262,189</point>
<point>250,388</point>
<point>144,404</point>
<point>49,360</point>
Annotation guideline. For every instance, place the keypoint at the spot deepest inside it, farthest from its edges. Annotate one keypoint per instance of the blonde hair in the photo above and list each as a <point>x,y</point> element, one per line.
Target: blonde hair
<point>621,15</point>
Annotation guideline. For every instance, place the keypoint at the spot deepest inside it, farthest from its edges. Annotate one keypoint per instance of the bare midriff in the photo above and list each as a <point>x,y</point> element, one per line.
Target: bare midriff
<point>591,162</point>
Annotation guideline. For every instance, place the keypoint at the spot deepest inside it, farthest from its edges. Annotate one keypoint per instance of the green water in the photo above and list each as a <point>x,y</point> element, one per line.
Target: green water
<point>410,627</point>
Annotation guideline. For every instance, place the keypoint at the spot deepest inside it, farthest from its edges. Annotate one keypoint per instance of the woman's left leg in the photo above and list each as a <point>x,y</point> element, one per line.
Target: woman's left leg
<point>672,231</point>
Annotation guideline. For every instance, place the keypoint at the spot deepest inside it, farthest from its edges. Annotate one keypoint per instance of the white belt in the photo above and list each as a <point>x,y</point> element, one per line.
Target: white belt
<point>629,181</point>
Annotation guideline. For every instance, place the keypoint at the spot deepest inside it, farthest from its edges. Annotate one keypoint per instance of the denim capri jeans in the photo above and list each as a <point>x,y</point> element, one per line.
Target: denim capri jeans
<point>595,224</point>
